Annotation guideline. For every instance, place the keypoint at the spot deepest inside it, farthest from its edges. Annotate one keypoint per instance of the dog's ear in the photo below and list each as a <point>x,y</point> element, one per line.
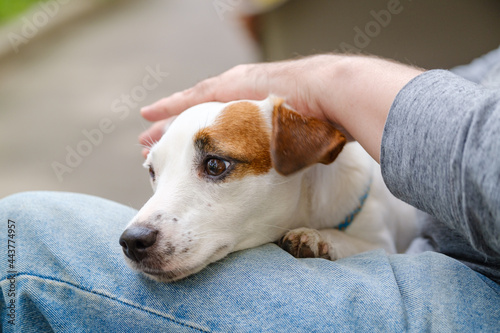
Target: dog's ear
<point>298,141</point>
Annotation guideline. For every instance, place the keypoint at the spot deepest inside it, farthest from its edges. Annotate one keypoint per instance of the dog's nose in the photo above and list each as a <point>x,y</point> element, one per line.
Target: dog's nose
<point>136,240</point>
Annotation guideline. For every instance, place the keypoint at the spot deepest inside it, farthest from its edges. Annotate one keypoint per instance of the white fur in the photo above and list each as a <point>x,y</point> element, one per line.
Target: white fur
<point>214,219</point>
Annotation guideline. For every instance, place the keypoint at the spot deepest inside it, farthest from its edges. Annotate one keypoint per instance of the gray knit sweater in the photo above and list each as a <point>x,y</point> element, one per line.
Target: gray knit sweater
<point>441,153</point>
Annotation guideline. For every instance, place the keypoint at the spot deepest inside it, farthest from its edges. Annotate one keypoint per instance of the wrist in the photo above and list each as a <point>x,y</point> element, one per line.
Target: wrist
<point>358,94</point>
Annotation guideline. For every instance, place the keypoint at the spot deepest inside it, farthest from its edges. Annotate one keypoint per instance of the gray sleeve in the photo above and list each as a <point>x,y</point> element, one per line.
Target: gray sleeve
<point>441,153</point>
<point>480,69</point>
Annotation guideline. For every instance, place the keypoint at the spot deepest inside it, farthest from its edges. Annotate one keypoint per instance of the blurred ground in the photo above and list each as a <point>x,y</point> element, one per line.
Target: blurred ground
<point>64,88</point>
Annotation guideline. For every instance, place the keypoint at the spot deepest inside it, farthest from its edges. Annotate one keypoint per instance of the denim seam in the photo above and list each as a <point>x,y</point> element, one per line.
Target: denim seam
<point>403,304</point>
<point>106,296</point>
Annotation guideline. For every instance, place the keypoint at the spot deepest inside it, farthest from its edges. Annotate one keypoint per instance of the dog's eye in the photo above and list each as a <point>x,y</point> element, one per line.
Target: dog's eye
<point>215,166</point>
<point>152,173</point>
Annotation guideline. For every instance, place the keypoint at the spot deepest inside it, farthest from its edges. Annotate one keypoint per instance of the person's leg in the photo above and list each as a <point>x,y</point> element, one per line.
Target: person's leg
<point>71,277</point>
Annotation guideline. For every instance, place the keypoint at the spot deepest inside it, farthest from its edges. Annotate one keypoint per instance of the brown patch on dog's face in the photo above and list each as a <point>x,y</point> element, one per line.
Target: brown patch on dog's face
<point>240,136</point>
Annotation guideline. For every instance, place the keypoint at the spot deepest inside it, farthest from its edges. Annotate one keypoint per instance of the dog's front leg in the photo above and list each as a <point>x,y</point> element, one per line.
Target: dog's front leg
<point>329,244</point>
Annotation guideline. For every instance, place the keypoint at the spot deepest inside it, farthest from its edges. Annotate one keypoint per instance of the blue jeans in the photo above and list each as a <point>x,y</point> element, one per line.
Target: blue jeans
<point>70,277</point>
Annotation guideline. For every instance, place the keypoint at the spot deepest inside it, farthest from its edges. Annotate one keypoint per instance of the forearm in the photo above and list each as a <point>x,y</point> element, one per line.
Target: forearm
<point>440,153</point>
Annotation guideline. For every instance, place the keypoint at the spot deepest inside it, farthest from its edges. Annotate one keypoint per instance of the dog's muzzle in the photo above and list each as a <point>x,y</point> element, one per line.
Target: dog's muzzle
<point>135,242</point>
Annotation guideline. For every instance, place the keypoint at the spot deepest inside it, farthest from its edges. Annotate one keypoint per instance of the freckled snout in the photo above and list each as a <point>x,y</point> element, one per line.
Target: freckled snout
<point>135,242</point>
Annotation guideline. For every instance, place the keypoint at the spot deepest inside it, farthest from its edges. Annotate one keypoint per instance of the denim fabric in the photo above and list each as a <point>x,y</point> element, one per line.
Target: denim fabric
<point>72,278</point>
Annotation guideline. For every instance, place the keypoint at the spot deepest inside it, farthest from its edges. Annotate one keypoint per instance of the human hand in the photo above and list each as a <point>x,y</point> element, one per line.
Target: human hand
<point>252,81</point>
<point>352,92</point>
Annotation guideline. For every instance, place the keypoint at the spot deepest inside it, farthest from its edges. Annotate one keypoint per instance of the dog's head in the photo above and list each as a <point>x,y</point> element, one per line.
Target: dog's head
<point>225,178</point>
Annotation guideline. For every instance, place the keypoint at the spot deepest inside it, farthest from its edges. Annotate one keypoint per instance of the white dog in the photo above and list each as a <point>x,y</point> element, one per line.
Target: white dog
<point>232,176</point>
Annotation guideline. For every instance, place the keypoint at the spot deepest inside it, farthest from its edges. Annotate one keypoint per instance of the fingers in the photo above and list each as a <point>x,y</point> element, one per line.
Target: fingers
<point>240,82</point>
<point>145,152</point>
<point>180,101</point>
<point>152,135</point>
<point>174,104</point>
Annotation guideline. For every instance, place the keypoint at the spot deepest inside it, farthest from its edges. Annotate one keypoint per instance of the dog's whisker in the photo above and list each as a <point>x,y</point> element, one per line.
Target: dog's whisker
<point>266,237</point>
<point>150,142</point>
<point>147,146</point>
<point>216,263</point>
<point>205,236</point>
<point>285,181</point>
<point>273,226</point>
<point>213,231</point>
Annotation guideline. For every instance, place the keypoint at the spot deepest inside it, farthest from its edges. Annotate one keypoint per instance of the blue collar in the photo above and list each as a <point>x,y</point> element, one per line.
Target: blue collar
<point>349,218</point>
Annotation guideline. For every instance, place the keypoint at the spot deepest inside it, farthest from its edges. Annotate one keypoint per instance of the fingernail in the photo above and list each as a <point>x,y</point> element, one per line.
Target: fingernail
<point>146,109</point>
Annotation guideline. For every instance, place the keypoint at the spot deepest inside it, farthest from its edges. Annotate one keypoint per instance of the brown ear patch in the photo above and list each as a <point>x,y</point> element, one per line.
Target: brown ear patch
<point>240,133</point>
<point>299,141</point>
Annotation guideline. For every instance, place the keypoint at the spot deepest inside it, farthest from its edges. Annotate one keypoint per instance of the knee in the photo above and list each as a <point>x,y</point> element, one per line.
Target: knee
<point>29,208</point>
<point>21,203</point>
<point>28,202</point>
<point>36,210</point>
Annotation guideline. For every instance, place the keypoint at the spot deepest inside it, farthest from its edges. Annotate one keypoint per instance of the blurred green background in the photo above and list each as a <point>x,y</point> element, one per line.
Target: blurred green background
<point>9,9</point>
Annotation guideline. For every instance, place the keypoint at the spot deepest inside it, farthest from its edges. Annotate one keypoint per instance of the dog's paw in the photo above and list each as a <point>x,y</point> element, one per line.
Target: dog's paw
<point>304,243</point>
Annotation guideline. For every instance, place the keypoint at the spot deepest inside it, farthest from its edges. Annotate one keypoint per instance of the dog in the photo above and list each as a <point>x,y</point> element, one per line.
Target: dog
<point>232,176</point>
